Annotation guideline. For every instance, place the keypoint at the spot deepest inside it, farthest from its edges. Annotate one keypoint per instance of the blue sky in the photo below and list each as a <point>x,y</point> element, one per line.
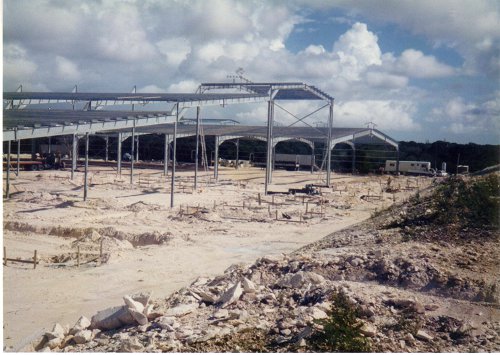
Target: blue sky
<point>421,70</point>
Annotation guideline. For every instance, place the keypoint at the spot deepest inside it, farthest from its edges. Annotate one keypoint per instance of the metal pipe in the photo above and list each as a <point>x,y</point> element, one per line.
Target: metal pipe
<point>216,159</point>
<point>329,144</point>
<point>174,159</point>
<point>132,155</point>
<point>119,154</point>
<point>85,184</point>
<point>197,149</point>
<point>166,157</point>
<point>7,187</point>
<point>50,145</point>
<point>18,156</point>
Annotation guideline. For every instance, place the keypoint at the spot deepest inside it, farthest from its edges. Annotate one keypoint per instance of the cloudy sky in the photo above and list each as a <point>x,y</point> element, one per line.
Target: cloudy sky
<point>420,70</point>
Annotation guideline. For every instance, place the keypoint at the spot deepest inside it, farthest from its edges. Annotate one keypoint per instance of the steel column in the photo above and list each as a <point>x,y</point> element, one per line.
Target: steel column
<point>237,153</point>
<point>7,187</point>
<point>50,145</point>
<point>106,154</point>
<point>119,155</point>
<point>270,116</point>
<point>132,155</point>
<point>137,149</point>
<point>174,159</point>
<point>216,159</point>
<point>74,152</point>
<point>329,145</point>
<point>312,158</point>
<point>397,161</point>
<point>197,149</point>
<point>18,156</point>
<point>85,183</point>
<point>166,157</point>
<point>353,157</point>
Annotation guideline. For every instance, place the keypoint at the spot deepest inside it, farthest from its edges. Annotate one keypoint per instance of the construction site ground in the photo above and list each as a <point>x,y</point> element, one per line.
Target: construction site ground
<point>130,240</point>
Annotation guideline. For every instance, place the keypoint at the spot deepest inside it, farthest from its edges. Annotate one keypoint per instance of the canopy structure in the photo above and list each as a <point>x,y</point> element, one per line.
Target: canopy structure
<point>21,122</point>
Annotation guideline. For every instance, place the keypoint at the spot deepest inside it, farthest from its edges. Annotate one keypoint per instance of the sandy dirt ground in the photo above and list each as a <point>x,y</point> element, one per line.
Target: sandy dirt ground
<point>148,246</point>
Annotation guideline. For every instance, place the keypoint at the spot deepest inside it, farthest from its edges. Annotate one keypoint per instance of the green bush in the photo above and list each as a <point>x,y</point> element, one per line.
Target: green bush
<point>341,330</point>
<point>473,203</point>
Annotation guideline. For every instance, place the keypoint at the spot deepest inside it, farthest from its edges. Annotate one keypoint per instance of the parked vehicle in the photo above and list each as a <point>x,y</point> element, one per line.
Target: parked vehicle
<point>410,167</point>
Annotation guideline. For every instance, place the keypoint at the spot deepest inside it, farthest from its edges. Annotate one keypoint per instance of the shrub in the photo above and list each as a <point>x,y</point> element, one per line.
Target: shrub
<point>474,203</point>
<point>341,330</point>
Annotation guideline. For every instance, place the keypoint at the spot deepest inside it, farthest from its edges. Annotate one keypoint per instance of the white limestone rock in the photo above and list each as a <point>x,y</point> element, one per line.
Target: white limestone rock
<point>422,335</point>
<point>136,306</point>
<point>181,310</point>
<point>232,295</point>
<point>56,332</point>
<point>299,279</point>
<point>139,317</point>
<point>81,324</point>
<point>111,318</point>
<point>83,336</point>
<point>368,330</point>
<point>248,286</point>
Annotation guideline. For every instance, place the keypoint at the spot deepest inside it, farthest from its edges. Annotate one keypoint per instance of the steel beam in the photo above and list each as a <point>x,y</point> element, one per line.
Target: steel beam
<point>85,178</point>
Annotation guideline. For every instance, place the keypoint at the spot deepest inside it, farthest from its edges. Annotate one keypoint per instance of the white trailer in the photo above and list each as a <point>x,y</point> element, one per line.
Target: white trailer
<point>410,167</point>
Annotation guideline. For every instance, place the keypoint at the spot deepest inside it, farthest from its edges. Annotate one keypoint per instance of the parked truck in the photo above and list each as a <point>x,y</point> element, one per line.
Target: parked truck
<point>410,167</point>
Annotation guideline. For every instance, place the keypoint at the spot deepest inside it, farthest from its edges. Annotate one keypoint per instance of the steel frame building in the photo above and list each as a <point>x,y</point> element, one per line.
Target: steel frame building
<point>20,123</point>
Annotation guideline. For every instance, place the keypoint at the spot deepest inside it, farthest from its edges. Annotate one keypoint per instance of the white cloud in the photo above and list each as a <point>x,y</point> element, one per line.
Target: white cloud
<point>387,114</point>
<point>66,69</point>
<point>415,64</point>
<point>175,50</point>
<point>189,86</point>
<point>459,116</point>
<point>16,65</point>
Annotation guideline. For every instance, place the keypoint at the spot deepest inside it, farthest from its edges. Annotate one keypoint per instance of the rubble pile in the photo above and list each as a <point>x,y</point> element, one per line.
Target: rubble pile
<point>273,305</point>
